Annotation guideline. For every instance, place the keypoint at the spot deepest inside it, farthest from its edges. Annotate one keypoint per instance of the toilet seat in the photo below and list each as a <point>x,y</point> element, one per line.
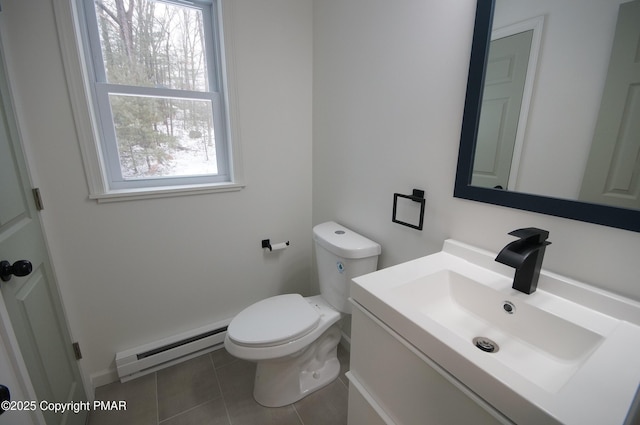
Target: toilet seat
<point>273,321</point>
<point>328,316</point>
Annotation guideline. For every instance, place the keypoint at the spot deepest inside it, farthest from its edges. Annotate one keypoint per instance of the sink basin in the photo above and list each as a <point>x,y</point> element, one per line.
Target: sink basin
<point>540,346</point>
<point>566,354</point>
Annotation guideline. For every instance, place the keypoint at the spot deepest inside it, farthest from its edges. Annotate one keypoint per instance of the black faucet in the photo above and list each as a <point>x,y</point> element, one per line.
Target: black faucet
<point>525,255</point>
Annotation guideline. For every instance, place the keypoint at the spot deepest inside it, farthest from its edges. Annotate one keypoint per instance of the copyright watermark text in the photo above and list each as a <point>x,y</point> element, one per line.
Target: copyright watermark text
<point>57,407</point>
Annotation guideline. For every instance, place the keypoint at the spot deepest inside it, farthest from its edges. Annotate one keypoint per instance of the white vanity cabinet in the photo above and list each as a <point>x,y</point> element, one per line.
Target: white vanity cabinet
<point>566,354</point>
<point>391,382</point>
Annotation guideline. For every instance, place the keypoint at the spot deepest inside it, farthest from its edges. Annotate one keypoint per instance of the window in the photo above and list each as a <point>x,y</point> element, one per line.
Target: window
<point>155,78</point>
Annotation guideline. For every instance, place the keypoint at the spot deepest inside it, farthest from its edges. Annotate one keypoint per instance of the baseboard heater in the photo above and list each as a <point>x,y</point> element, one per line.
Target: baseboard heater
<point>151,357</point>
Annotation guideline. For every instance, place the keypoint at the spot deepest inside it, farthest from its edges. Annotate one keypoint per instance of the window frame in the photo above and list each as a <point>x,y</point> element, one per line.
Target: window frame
<point>89,108</point>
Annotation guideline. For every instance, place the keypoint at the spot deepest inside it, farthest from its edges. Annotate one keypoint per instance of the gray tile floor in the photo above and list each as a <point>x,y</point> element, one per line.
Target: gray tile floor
<point>217,389</point>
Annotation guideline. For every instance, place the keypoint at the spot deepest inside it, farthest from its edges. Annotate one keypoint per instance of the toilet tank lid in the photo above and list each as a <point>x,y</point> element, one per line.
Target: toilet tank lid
<point>344,242</point>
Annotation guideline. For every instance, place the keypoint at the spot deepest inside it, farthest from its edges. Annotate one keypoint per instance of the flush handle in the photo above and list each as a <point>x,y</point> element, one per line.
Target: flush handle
<point>19,268</point>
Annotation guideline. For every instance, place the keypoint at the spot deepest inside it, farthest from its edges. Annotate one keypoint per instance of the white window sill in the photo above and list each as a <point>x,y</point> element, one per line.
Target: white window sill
<point>164,192</point>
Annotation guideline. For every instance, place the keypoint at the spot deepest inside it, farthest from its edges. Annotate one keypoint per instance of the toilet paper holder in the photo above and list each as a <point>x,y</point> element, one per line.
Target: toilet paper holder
<point>266,243</point>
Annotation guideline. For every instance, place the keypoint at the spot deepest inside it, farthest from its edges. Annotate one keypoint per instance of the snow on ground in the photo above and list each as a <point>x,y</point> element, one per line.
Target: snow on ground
<point>190,159</point>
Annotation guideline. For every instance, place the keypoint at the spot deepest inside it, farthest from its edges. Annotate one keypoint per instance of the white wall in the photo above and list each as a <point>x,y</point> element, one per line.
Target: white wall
<point>389,88</point>
<point>133,272</point>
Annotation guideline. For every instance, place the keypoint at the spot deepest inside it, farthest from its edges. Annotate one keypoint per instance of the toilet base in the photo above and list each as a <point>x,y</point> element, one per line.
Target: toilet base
<point>285,380</point>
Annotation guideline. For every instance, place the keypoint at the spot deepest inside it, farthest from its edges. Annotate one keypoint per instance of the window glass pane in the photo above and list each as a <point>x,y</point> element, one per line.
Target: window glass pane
<point>164,137</point>
<point>152,43</point>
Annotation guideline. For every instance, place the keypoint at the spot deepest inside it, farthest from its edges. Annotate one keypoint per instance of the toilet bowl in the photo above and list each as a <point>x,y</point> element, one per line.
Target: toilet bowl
<point>299,355</point>
<point>293,339</point>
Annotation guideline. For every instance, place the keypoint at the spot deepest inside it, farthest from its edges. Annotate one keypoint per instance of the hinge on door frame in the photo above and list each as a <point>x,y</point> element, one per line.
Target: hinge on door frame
<point>76,350</point>
<point>37,198</point>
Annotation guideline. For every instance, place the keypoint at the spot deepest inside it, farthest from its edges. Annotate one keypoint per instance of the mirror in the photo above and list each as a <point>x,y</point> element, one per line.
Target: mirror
<point>552,122</point>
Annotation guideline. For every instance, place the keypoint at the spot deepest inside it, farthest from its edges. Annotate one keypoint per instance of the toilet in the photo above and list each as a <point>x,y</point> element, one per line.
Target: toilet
<point>293,339</point>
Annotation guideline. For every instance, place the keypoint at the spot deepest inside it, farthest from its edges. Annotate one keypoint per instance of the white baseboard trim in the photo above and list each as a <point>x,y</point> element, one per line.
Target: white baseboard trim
<point>108,376</point>
<point>104,377</point>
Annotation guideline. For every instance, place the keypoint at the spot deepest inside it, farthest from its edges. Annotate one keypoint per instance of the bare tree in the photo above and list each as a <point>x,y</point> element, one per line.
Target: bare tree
<point>154,44</point>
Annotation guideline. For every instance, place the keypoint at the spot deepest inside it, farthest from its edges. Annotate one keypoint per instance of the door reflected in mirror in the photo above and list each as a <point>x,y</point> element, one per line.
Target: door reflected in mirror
<point>550,170</point>
<point>551,93</point>
<point>509,82</point>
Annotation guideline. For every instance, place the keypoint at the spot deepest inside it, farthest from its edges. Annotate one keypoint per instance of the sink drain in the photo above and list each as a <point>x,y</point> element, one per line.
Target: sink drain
<point>485,344</point>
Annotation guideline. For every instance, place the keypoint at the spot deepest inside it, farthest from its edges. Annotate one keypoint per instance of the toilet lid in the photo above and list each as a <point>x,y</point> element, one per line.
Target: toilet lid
<point>273,321</point>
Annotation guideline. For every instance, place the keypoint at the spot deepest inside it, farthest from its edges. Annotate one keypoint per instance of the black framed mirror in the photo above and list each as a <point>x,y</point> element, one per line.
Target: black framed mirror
<point>623,218</point>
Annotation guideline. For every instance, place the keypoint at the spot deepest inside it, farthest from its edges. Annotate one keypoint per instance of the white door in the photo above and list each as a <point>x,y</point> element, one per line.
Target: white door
<point>612,175</point>
<point>501,104</point>
<point>32,301</point>
<point>9,378</point>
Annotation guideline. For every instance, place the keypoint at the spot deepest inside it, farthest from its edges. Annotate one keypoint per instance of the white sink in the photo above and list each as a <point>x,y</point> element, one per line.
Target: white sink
<point>571,359</point>
<point>540,346</point>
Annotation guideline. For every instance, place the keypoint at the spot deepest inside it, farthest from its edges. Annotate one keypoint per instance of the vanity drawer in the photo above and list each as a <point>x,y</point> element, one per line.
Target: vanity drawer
<point>402,382</point>
<point>363,410</point>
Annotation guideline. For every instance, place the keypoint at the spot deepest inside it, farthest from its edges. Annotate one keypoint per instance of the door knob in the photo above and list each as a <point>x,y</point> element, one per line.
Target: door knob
<point>5,395</point>
<point>19,268</point>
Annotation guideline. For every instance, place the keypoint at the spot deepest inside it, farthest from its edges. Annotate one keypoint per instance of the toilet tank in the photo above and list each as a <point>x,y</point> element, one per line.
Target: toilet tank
<point>341,255</point>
